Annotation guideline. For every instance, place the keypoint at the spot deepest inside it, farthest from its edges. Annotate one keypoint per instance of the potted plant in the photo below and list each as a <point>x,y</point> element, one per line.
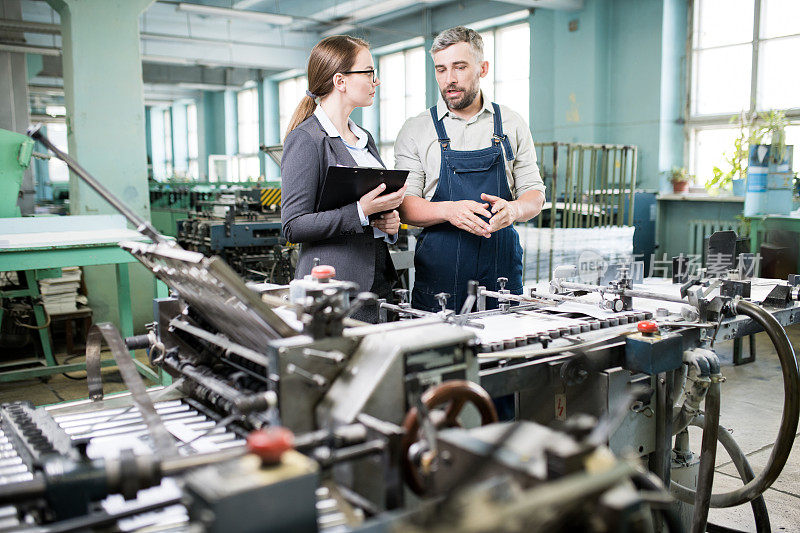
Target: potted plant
<point>769,176</point>
<point>680,179</point>
<point>772,129</point>
<point>737,159</point>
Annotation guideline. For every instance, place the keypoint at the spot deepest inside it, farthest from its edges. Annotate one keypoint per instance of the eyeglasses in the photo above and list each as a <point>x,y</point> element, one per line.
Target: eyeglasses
<point>368,71</point>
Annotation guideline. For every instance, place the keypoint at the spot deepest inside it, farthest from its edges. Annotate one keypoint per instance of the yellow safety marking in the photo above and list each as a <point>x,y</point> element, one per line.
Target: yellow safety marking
<point>270,196</point>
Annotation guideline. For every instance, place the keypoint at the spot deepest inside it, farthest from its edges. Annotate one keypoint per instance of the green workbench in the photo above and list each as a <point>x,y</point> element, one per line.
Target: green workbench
<point>760,225</point>
<point>32,246</point>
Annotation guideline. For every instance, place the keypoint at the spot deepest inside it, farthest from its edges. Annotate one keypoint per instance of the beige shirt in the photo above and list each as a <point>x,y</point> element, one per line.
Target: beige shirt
<point>417,149</point>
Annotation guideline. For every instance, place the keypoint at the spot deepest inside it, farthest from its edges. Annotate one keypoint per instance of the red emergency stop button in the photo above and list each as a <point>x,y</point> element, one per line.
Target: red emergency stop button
<point>323,272</point>
<point>270,443</point>
<point>647,327</point>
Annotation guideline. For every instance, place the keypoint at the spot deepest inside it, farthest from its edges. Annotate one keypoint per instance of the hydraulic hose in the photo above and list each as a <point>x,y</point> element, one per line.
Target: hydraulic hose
<point>739,459</point>
<point>788,428</point>
<point>672,520</point>
<point>791,409</point>
<point>760,513</point>
<point>708,455</point>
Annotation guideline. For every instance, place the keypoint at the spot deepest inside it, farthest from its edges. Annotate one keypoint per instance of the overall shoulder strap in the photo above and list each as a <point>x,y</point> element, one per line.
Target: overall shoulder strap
<point>498,132</point>
<point>440,133</point>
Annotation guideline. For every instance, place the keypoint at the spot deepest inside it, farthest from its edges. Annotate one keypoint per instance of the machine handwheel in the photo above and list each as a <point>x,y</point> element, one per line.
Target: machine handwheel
<point>454,393</point>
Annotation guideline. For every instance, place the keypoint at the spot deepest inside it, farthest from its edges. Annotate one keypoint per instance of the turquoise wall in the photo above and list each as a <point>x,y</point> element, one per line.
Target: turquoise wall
<point>148,134</point>
<point>616,79</point>
<point>673,85</point>
<point>213,109</point>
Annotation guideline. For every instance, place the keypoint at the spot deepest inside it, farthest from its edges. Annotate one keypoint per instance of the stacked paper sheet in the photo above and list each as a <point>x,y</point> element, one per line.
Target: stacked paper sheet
<point>60,295</point>
<point>586,248</point>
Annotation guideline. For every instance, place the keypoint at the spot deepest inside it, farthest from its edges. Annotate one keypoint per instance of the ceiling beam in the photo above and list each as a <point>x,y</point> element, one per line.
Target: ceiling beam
<point>565,5</point>
<point>224,12</point>
<point>386,10</point>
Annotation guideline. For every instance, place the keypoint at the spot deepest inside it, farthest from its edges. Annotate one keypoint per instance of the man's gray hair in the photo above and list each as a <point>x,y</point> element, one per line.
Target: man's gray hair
<point>459,34</point>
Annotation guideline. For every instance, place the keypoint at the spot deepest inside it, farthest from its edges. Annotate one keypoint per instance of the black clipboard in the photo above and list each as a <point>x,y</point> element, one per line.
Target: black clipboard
<point>345,185</point>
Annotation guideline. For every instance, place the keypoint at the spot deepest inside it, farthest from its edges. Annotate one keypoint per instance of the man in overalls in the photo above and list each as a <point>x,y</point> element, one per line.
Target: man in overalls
<point>473,173</point>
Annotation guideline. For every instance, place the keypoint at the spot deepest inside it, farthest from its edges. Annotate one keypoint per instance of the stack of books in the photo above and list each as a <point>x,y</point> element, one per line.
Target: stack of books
<point>60,295</point>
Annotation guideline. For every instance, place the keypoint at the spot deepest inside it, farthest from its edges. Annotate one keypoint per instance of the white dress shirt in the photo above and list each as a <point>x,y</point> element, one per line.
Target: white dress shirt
<point>362,158</point>
<point>417,148</point>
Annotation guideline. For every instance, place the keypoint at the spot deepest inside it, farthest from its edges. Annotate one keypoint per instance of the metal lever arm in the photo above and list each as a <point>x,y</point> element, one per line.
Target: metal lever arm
<point>142,226</point>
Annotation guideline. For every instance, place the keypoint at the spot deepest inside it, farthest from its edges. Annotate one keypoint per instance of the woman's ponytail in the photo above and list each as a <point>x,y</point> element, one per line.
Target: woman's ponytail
<point>333,54</point>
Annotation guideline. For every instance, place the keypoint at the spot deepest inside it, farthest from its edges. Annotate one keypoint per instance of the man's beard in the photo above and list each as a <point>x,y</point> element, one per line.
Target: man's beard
<point>467,98</point>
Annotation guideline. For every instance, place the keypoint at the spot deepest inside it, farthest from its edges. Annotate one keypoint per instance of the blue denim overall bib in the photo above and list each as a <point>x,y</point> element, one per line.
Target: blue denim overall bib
<point>446,257</point>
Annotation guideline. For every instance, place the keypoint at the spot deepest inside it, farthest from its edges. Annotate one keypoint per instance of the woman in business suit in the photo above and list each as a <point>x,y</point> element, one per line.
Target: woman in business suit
<point>341,77</point>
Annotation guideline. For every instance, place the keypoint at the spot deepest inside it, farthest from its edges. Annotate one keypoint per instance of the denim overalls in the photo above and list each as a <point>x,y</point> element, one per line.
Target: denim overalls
<point>447,258</point>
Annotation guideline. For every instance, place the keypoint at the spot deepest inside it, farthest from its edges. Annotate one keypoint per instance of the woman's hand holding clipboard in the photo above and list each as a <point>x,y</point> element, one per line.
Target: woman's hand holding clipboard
<point>377,190</point>
<point>376,202</point>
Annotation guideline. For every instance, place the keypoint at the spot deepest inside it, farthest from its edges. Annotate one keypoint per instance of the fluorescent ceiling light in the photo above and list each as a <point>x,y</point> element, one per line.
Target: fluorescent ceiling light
<point>375,10</point>
<point>168,60</point>
<point>338,30</point>
<point>205,86</point>
<point>396,47</point>
<point>269,18</point>
<point>499,21</point>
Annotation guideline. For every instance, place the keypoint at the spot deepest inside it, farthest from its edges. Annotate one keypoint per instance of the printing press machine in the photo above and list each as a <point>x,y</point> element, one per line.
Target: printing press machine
<point>286,415</point>
<point>244,228</point>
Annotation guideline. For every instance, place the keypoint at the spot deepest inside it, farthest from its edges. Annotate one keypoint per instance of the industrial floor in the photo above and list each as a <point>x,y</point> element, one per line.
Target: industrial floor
<point>752,398</point>
<point>60,388</point>
<point>752,401</point>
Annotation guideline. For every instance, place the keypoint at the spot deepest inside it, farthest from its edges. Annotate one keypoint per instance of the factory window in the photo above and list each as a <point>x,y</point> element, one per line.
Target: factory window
<point>57,169</point>
<point>508,49</point>
<point>168,166</point>
<point>290,92</point>
<point>57,133</point>
<point>192,141</point>
<point>743,61</point>
<point>247,114</point>
<point>401,93</point>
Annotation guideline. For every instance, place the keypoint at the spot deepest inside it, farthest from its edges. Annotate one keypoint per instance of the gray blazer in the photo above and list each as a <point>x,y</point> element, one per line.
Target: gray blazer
<point>336,237</point>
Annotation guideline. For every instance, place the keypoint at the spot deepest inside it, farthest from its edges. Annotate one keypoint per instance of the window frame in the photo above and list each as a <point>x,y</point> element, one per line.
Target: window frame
<point>169,148</point>
<point>54,165</point>
<point>695,122</point>
<point>516,20</point>
<point>247,157</point>
<point>192,144</point>
<point>299,83</point>
<point>382,143</point>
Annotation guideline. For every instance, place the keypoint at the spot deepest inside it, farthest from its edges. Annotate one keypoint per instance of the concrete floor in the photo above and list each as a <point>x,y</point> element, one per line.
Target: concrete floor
<point>59,388</point>
<point>752,398</point>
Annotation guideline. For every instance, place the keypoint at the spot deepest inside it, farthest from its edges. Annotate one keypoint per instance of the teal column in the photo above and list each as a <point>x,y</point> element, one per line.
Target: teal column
<point>431,87</point>
<point>672,101</point>
<point>542,75</point>
<point>270,118</point>
<point>214,122</point>
<point>148,140</point>
<point>14,100</point>
<point>103,92</point>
